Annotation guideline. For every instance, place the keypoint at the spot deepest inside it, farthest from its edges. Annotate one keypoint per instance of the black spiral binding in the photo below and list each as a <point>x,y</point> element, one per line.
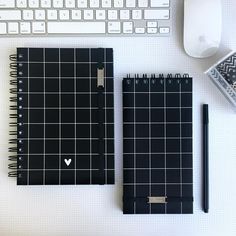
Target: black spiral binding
<point>14,124</point>
<point>160,76</point>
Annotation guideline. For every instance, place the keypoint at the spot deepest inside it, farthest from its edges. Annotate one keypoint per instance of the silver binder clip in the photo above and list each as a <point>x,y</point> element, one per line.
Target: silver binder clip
<point>100,77</point>
<point>157,200</point>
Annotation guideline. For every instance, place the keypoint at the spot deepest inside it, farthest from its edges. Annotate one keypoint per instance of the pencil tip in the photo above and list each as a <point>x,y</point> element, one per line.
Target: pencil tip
<point>206,210</point>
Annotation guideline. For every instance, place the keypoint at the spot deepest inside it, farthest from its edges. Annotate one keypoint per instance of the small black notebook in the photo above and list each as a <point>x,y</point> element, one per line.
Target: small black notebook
<point>157,146</point>
<point>65,116</point>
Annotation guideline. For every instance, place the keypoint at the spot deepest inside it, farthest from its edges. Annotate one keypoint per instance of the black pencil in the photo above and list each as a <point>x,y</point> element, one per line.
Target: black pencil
<point>205,159</point>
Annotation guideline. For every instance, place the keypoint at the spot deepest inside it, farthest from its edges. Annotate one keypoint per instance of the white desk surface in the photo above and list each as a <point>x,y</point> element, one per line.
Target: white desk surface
<point>97,210</point>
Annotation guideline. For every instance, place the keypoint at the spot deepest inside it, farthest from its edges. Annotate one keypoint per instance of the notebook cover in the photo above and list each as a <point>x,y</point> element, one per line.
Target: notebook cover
<point>157,146</point>
<point>59,116</point>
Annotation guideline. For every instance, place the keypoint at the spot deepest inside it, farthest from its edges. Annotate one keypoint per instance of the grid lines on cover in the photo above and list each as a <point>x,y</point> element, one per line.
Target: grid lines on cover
<point>58,116</point>
<point>157,145</point>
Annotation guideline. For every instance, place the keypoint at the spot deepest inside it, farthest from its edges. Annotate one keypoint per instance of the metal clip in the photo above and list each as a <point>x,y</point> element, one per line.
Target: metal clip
<point>157,200</point>
<point>100,77</point>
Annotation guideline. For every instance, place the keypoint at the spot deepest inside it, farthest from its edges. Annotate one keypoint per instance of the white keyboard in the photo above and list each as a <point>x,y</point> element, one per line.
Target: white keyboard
<point>85,17</point>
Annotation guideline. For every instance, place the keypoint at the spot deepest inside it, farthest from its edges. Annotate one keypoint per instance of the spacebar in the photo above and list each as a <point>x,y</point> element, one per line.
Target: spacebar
<point>76,27</point>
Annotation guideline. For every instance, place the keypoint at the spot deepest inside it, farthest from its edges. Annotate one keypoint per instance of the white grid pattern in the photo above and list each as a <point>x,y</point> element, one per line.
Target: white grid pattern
<point>66,123</point>
<point>64,108</point>
<point>134,148</point>
<point>105,108</point>
<point>72,138</point>
<point>75,164</point>
<point>65,153</point>
<point>44,131</point>
<point>65,62</point>
<point>180,148</point>
<point>165,137</point>
<point>90,119</point>
<point>165,152</point>
<point>69,77</point>
<point>155,168</point>
<point>59,77</point>
<point>55,169</point>
<point>157,92</point>
<point>150,146</point>
<point>161,108</point>
<point>56,93</point>
<point>28,156</point>
<point>167,122</point>
<point>153,183</point>
<point>60,109</point>
<point>158,153</point>
<point>156,138</point>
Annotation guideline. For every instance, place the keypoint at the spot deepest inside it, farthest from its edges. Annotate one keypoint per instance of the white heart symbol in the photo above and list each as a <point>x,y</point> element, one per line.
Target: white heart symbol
<point>67,161</point>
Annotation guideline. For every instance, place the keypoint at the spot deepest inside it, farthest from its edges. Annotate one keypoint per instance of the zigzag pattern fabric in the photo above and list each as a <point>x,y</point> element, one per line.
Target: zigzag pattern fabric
<point>228,69</point>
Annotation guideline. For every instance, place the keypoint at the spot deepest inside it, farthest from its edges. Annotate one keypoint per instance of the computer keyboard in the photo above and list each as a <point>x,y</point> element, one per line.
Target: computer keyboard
<point>85,17</point>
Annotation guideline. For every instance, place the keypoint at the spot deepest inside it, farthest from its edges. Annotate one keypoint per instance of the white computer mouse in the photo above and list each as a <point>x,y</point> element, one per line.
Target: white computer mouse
<point>202,27</point>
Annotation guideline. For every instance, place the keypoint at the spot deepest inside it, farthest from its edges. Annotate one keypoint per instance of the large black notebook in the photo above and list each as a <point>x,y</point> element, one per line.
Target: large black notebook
<point>157,146</point>
<point>65,121</point>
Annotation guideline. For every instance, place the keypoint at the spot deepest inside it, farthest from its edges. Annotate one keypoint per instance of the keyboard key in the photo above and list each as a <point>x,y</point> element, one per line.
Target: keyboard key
<point>143,3</point>
<point>151,24</point>
<point>139,30</point>
<point>88,14</point>
<point>52,14</point>
<point>112,14</point>
<point>156,14</point>
<point>58,3</point>
<point>3,28</point>
<point>113,27</point>
<point>46,3</point>
<point>76,14</point>
<point>160,3</point>
<point>10,15</point>
<point>28,15</point>
<point>128,27</point>
<point>124,14</point>
<point>118,3</point>
<point>38,27</point>
<point>21,3</point>
<point>94,3</point>
<point>13,28</point>
<point>106,3</point>
<point>152,30</point>
<point>82,3</point>
<point>25,28</point>
<point>164,30</point>
<point>7,4</point>
<point>76,27</point>
<point>130,3</point>
<point>100,14</point>
<point>40,14</point>
<point>70,3</point>
<point>33,3</point>
<point>64,15</point>
<point>136,14</point>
